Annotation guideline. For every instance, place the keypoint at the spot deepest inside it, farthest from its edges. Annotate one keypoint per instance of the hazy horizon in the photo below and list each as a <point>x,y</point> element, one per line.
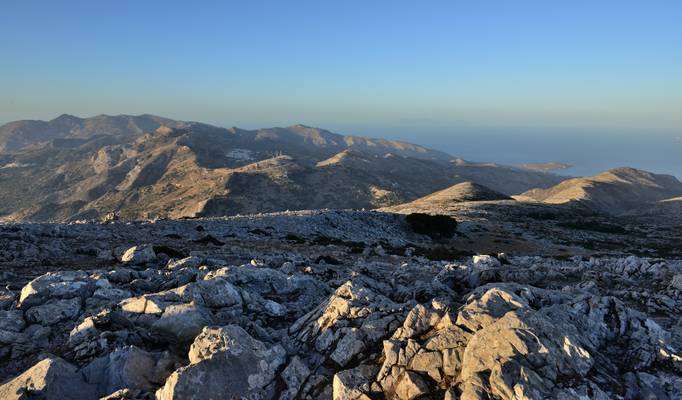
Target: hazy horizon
<point>588,152</point>
<point>592,84</point>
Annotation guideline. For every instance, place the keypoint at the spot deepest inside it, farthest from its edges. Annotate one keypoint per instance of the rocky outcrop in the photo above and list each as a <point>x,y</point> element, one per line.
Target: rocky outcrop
<point>50,379</point>
<point>129,367</point>
<point>139,254</point>
<point>225,362</point>
<point>281,319</point>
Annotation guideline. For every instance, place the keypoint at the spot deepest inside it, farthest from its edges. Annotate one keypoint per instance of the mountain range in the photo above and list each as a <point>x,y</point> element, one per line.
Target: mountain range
<point>146,166</point>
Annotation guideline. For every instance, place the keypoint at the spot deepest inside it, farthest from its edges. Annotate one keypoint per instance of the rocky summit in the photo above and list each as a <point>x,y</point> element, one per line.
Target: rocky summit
<point>145,258</point>
<point>327,305</point>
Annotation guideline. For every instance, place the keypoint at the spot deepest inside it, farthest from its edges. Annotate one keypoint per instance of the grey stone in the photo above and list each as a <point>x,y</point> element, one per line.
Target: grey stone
<point>49,379</point>
<point>139,254</point>
<point>180,323</point>
<point>54,311</point>
<point>225,362</point>
<point>56,285</point>
<point>128,367</point>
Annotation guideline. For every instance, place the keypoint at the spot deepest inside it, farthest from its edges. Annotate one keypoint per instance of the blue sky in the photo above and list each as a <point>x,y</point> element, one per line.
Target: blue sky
<point>451,66</point>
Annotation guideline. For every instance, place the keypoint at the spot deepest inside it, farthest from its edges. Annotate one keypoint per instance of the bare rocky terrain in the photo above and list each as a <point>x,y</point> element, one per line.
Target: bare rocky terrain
<point>334,304</point>
<point>146,258</point>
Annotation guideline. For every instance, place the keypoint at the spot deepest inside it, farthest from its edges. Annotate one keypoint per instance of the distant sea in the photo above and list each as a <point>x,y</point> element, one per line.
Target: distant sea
<point>589,152</point>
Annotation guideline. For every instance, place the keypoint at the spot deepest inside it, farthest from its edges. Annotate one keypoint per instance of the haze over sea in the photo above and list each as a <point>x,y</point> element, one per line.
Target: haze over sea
<point>596,84</point>
<point>588,151</point>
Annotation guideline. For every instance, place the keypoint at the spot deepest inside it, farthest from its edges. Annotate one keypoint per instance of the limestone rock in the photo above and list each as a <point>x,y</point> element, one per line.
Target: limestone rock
<point>6,298</point>
<point>410,386</point>
<point>139,254</point>
<point>54,311</point>
<point>180,323</point>
<point>352,384</point>
<point>225,362</point>
<point>485,261</point>
<point>56,285</point>
<point>49,379</point>
<point>191,261</point>
<point>295,373</point>
<point>216,292</point>
<point>82,332</point>
<point>128,368</point>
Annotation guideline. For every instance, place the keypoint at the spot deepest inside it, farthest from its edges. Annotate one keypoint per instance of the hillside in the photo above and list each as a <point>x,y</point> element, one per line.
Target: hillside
<point>461,192</point>
<point>615,191</point>
<point>18,135</point>
<point>505,179</point>
<point>188,169</point>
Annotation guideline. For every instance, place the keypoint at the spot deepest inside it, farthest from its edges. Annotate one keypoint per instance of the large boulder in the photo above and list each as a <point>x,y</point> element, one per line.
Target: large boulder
<point>139,254</point>
<point>56,285</point>
<point>128,368</point>
<point>225,362</point>
<point>216,293</point>
<point>428,344</point>
<point>180,323</point>
<point>55,311</point>
<point>353,384</point>
<point>50,379</point>
<point>347,324</point>
<point>526,354</point>
<point>529,344</point>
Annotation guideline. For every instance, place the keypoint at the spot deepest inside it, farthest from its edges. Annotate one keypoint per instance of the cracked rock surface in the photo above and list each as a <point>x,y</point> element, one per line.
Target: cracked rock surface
<point>326,305</point>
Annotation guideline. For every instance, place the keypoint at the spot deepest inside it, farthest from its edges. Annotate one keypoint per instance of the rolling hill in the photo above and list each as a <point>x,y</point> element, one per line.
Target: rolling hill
<point>615,191</point>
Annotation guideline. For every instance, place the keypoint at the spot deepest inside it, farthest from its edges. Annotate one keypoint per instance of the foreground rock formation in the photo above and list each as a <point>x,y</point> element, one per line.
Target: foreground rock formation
<point>303,316</point>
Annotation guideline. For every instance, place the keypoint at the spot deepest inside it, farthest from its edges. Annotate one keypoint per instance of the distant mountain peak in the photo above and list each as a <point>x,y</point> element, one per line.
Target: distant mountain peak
<point>66,117</point>
<point>303,126</point>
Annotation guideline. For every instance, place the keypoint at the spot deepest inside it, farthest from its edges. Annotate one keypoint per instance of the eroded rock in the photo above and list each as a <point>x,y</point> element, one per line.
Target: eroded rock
<point>225,362</point>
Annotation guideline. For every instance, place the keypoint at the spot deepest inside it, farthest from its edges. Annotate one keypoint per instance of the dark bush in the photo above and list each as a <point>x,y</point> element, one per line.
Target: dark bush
<point>442,253</point>
<point>169,251</point>
<point>210,239</point>
<point>542,216</point>
<point>594,226</point>
<point>294,238</point>
<point>434,226</point>
<point>327,260</point>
